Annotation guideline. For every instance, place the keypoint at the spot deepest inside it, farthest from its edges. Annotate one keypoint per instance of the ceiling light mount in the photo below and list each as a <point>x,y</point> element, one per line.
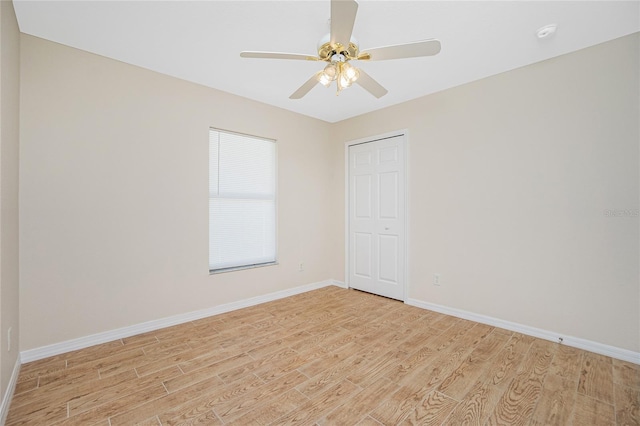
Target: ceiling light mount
<point>546,31</point>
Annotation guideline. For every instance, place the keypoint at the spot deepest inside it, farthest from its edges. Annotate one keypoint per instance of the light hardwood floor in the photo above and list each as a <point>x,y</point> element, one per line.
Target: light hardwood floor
<point>328,357</point>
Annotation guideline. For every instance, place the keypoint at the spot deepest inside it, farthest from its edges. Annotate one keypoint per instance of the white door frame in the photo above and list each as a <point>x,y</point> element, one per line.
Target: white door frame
<point>347,186</point>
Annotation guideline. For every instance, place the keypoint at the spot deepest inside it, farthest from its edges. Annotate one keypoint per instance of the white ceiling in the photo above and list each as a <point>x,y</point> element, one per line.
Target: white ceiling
<point>200,41</point>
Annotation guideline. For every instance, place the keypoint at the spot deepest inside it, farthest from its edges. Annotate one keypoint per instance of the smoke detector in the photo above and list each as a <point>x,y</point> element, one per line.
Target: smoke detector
<point>546,31</point>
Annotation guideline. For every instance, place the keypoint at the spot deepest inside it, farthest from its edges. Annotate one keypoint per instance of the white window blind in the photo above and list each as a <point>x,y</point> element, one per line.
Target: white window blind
<point>242,201</point>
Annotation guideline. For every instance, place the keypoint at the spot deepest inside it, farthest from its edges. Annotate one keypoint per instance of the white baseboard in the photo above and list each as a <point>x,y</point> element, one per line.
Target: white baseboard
<point>108,336</point>
<point>576,342</point>
<point>8,394</point>
<point>339,284</point>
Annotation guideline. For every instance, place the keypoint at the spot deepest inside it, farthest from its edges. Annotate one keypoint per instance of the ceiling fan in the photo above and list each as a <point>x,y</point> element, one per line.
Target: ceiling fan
<point>339,47</point>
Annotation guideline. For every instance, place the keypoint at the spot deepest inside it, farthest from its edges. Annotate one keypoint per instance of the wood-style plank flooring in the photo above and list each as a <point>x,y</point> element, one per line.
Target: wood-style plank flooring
<point>328,357</point>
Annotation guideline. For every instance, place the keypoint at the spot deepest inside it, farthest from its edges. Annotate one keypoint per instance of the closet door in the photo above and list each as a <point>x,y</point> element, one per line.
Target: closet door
<point>377,217</point>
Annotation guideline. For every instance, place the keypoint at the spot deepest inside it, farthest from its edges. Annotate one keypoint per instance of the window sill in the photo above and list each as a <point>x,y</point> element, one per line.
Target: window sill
<point>240,268</point>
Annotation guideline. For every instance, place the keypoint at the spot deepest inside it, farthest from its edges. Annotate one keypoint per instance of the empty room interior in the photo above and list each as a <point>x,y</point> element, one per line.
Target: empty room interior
<point>319,212</point>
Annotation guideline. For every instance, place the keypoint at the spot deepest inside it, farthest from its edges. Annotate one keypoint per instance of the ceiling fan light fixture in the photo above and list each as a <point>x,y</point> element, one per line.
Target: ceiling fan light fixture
<point>344,82</point>
<point>331,72</point>
<point>346,75</point>
<point>323,79</point>
<point>350,72</point>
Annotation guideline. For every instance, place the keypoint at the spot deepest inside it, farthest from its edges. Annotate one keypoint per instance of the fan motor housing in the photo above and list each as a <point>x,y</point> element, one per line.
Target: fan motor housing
<point>326,50</point>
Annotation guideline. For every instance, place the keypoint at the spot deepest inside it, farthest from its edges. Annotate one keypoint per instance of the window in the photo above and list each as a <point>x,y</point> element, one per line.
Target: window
<point>242,201</point>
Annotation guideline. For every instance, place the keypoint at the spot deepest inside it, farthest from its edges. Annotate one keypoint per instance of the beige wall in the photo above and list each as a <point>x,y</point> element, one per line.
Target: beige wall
<point>509,180</point>
<point>9,137</point>
<point>114,195</point>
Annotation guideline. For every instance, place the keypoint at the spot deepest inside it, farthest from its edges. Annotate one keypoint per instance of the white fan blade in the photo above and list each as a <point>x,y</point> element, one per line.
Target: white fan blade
<point>399,51</point>
<point>370,85</point>
<point>306,87</point>
<point>278,55</point>
<point>343,16</point>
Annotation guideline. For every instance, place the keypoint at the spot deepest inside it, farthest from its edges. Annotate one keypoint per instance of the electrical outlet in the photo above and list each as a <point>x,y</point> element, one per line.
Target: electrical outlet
<point>300,267</point>
<point>436,279</point>
<point>9,340</point>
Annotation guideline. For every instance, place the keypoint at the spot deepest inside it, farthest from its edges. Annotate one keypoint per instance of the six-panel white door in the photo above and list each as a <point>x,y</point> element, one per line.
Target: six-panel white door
<point>376,217</point>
